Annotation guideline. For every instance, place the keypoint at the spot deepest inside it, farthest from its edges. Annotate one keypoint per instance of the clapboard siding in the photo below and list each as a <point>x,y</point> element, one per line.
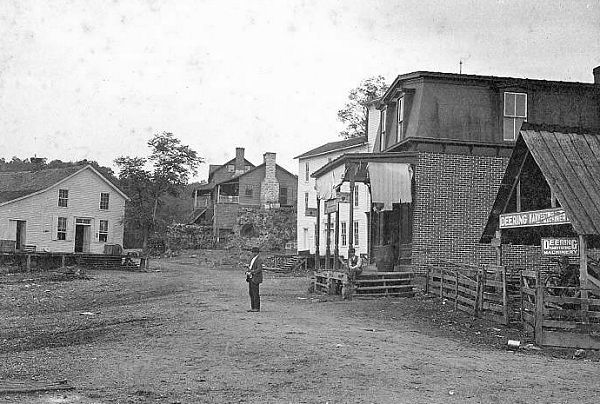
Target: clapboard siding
<point>41,212</point>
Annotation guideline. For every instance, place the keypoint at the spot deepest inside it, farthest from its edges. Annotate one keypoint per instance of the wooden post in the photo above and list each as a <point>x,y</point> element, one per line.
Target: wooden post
<point>62,261</point>
<point>583,277</point>
<point>352,174</point>
<point>456,292</point>
<point>427,280</point>
<point>539,310</point>
<point>478,296</point>
<point>328,243</point>
<point>499,248</point>
<point>336,250</point>
<point>318,236</point>
<point>522,284</point>
<point>442,283</point>
<point>504,296</point>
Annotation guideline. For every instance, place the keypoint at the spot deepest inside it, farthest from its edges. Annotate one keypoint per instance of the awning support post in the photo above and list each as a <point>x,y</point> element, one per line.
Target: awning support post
<point>317,236</point>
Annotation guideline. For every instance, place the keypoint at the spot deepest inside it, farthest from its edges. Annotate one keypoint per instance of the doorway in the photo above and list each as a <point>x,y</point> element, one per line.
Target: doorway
<point>21,234</point>
<point>83,230</point>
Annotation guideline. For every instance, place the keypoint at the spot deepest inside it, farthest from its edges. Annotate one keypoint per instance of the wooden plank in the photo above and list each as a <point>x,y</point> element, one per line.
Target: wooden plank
<point>539,311</point>
<point>571,325</point>
<point>465,300</point>
<point>570,340</point>
<point>396,287</point>
<point>19,387</point>
<point>572,300</point>
<point>368,281</point>
<point>552,313</point>
<point>395,294</point>
<point>496,284</point>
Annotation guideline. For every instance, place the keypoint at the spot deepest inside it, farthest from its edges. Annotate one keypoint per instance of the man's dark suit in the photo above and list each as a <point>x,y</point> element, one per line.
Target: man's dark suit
<point>254,282</point>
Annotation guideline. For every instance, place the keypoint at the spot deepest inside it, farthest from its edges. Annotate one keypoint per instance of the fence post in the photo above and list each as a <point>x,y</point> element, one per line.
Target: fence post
<point>521,285</point>
<point>442,283</point>
<point>456,292</point>
<point>477,293</point>
<point>539,310</point>
<point>504,296</point>
<point>427,280</point>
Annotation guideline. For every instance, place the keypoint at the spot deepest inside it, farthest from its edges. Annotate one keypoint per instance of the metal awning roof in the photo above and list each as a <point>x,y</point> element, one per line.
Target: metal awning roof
<point>569,159</point>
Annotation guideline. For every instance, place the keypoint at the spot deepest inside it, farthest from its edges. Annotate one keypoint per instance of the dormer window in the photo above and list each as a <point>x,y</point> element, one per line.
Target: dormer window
<point>515,113</point>
<point>383,127</point>
<point>230,168</point>
<point>400,119</point>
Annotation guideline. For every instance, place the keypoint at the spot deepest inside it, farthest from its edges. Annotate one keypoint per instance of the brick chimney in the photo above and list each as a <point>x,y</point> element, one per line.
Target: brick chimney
<point>596,72</point>
<point>239,160</point>
<point>269,189</point>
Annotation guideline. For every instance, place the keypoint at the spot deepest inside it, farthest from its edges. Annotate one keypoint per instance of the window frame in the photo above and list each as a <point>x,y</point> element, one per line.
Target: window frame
<point>400,119</point>
<point>61,231</point>
<point>230,168</point>
<point>104,206</point>
<point>63,200</point>
<point>306,171</point>
<point>249,191</point>
<point>102,232</point>
<point>513,116</point>
<point>344,234</point>
<point>356,233</point>
<point>356,195</point>
<point>306,199</point>
<point>383,118</point>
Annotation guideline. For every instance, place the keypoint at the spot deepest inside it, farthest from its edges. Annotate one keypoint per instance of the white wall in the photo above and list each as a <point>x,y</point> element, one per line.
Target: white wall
<point>41,213</point>
<point>308,223</point>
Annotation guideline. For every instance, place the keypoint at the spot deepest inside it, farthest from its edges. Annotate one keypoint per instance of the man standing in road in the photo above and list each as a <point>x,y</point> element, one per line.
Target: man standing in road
<point>254,278</point>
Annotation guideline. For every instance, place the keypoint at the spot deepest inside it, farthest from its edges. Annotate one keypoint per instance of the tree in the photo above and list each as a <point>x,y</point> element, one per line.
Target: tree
<point>353,115</point>
<point>172,164</point>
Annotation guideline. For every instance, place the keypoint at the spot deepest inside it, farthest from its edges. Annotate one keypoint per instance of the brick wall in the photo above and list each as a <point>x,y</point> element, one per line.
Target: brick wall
<point>454,195</point>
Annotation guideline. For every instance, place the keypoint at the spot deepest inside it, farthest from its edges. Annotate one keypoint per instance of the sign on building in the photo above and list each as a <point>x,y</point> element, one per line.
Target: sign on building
<point>560,246</point>
<point>343,197</point>
<point>546,217</point>
<point>331,206</point>
<point>310,212</point>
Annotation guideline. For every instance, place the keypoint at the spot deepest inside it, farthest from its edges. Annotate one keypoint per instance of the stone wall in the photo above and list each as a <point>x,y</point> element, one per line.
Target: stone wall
<point>271,228</point>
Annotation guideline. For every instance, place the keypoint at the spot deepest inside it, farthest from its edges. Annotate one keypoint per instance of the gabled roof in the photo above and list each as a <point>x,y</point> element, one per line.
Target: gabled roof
<point>237,177</point>
<point>569,159</point>
<point>212,168</point>
<point>334,146</point>
<point>18,185</point>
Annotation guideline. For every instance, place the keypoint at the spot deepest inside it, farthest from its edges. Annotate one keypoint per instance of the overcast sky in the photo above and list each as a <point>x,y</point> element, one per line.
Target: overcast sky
<point>95,79</point>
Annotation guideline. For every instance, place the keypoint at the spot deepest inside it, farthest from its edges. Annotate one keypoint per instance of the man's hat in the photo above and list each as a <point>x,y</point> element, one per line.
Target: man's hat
<point>255,250</point>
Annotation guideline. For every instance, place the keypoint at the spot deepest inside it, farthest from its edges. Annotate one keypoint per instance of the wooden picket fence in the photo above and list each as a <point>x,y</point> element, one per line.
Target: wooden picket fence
<point>557,316</point>
<point>480,291</point>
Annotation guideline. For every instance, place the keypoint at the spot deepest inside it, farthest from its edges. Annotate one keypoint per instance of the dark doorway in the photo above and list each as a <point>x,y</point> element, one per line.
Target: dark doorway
<point>21,233</point>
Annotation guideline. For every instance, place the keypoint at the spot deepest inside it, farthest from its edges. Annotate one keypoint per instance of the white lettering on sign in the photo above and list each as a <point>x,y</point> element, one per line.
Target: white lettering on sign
<point>560,246</point>
<point>547,217</point>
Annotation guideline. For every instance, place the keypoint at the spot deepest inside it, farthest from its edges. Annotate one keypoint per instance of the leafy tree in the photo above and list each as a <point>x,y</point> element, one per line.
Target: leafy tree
<point>172,164</point>
<point>353,115</point>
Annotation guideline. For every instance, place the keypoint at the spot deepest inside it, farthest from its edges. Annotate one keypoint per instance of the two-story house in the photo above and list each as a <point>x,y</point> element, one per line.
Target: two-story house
<point>240,184</point>
<point>74,209</point>
<point>453,134</point>
<point>308,163</point>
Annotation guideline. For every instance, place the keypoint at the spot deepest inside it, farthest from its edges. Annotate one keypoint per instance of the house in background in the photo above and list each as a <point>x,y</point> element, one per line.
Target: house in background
<point>239,184</point>
<point>448,138</point>
<point>74,209</point>
<point>308,163</point>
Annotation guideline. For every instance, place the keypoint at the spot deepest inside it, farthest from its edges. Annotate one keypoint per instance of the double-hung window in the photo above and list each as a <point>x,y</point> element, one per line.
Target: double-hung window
<point>306,171</point>
<point>103,231</point>
<point>63,198</point>
<point>400,119</point>
<point>61,228</point>
<point>356,193</point>
<point>343,233</point>
<point>515,113</point>
<point>383,129</point>
<point>356,232</point>
<point>104,197</point>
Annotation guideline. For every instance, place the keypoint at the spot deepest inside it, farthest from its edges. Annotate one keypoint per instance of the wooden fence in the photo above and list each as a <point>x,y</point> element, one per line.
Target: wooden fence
<point>480,291</point>
<point>558,316</point>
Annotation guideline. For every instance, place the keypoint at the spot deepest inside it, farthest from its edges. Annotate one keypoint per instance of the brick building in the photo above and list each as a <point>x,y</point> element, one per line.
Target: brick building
<point>237,186</point>
<point>455,133</point>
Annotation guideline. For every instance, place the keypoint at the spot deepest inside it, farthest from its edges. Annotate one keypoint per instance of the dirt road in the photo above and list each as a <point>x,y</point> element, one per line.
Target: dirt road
<point>183,335</point>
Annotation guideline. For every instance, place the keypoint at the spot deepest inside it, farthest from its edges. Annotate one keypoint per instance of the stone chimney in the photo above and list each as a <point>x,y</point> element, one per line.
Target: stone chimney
<point>239,160</point>
<point>596,72</point>
<point>269,188</point>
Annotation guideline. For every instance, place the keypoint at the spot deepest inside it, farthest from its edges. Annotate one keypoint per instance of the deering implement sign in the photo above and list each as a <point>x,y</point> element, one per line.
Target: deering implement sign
<point>546,217</point>
<point>560,246</point>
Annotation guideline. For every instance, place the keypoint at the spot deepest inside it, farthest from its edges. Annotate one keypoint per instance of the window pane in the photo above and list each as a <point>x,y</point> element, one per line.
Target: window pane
<point>521,105</point>
<point>509,104</point>
<point>509,128</point>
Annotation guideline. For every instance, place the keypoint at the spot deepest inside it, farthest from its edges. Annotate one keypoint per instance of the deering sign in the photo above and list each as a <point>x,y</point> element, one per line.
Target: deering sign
<point>560,246</point>
<point>546,217</point>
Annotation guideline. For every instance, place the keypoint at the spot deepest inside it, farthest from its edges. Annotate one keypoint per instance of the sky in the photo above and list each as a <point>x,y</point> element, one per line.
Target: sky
<point>96,79</point>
